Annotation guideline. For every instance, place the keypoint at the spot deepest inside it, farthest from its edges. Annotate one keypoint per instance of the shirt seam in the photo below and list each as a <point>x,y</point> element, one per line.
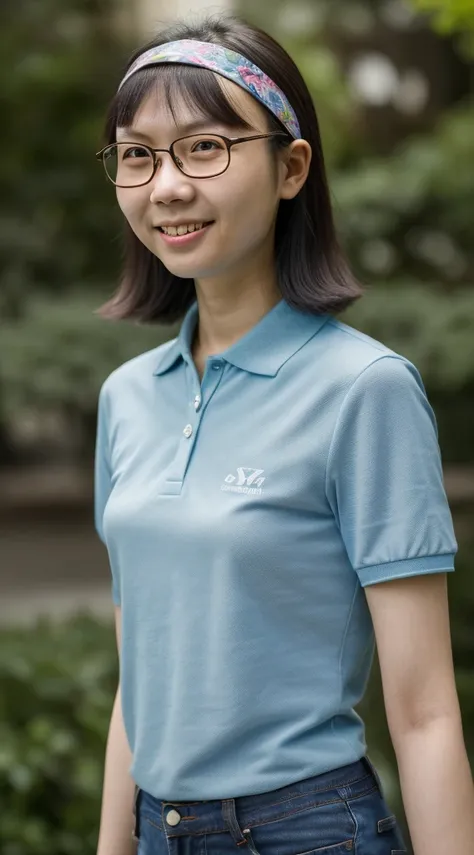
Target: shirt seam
<point>341,655</point>
<point>308,340</point>
<point>360,337</point>
<point>344,639</point>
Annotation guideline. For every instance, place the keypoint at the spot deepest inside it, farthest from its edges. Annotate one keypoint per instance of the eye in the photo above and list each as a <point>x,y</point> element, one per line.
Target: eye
<point>207,145</point>
<point>135,153</point>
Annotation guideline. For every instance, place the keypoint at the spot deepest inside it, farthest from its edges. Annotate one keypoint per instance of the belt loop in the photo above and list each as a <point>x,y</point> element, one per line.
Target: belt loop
<point>374,772</point>
<point>240,838</point>
<point>230,819</point>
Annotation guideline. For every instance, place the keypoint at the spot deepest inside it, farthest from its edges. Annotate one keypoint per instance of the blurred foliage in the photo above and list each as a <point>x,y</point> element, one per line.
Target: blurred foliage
<point>57,223</point>
<point>408,215</point>
<point>449,15</point>
<point>34,382</point>
<point>57,685</point>
<point>59,226</point>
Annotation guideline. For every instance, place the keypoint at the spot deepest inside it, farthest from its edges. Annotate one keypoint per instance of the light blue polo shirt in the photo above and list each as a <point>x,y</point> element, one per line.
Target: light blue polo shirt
<point>243,516</point>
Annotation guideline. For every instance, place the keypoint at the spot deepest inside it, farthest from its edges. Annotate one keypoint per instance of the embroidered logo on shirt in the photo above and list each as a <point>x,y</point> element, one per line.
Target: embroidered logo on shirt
<point>246,481</point>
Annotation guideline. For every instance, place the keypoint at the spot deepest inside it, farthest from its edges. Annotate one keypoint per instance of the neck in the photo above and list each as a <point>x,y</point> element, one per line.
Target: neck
<point>227,311</point>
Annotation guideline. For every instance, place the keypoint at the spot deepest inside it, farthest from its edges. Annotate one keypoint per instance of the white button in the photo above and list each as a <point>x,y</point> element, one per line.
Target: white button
<point>197,402</point>
<point>217,366</point>
<point>173,817</point>
<point>188,431</point>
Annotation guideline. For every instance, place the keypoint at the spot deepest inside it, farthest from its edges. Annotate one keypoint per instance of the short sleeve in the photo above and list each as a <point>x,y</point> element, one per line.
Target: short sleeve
<point>102,474</point>
<point>385,479</point>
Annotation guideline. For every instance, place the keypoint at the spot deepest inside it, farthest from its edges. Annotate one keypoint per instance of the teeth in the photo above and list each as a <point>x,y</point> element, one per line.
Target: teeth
<point>181,230</point>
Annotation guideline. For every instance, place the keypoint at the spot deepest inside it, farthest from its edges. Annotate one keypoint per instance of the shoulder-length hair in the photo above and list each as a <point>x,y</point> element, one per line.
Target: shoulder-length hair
<point>313,274</point>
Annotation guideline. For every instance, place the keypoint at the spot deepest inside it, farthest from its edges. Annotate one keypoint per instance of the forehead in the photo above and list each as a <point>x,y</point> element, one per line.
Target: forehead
<point>156,116</point>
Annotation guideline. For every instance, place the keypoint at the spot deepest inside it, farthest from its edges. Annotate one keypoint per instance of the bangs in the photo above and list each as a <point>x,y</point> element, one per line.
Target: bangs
<point>175,85</point>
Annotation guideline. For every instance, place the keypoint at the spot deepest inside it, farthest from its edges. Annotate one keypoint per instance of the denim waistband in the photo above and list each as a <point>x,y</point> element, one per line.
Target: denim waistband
<point>240,813</point>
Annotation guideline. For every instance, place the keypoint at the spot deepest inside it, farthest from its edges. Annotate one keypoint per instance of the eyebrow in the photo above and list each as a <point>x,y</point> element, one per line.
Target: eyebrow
<point>197,125</point>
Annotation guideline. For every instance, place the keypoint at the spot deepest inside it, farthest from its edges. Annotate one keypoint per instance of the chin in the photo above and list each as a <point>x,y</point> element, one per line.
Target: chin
<point>192,271</point>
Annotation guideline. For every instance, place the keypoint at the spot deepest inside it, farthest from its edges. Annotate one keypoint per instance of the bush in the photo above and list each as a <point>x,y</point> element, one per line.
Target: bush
<point>57,685</point>
<point>58,216</point>
<point>55,359</point>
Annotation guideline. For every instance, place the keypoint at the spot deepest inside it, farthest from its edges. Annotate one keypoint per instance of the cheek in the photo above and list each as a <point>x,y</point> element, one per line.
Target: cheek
<point>134,208</point>
<point>132,204</point>
<point>251,198</point>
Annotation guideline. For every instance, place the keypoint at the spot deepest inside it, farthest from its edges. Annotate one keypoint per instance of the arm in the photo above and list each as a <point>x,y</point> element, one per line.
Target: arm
<point>411,623</point>
<point>116,822</point>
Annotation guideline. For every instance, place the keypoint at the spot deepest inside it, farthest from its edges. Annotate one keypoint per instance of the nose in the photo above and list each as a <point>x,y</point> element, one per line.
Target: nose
<point>169,184</point>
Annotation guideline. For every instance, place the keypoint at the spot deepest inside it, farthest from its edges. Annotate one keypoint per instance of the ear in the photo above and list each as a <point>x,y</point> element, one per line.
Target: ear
<point>296,160</point>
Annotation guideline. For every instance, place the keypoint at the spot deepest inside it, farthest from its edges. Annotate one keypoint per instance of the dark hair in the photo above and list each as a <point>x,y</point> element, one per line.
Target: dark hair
<point>313,274</point>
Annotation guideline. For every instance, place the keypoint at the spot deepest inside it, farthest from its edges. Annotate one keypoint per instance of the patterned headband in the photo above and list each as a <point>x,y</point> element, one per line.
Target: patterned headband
<point>229,64</point>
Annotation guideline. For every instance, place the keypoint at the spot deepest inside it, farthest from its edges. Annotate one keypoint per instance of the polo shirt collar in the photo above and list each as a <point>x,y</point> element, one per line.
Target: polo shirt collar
<point>262,350</point>
<point>180,348</point>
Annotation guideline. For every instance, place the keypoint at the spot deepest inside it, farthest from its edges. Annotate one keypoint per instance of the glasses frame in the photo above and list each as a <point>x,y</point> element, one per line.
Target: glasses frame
<point>229,141</point>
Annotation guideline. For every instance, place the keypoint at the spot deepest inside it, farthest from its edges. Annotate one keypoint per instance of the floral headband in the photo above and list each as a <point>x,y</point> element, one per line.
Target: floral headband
<point>229,64</point>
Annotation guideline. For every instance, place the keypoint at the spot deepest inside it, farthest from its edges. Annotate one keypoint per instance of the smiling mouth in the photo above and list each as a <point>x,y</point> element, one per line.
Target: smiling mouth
<point>179,231</point>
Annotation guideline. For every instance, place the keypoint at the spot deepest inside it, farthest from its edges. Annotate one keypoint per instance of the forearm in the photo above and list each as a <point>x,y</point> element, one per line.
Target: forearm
<point>437,787</point>
<point>115,836</point>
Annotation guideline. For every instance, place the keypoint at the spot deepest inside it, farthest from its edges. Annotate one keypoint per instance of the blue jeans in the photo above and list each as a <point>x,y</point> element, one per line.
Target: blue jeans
<point>339,812</point>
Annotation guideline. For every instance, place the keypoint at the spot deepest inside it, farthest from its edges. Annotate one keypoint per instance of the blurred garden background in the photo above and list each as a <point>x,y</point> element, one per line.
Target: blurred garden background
<point>392,82</point>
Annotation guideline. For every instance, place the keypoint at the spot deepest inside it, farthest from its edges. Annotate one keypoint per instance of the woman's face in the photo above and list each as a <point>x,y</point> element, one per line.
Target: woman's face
<point>242,203</point>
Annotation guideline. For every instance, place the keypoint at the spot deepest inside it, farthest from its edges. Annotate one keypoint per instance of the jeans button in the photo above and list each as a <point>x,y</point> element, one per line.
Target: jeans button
<point>173,817</point>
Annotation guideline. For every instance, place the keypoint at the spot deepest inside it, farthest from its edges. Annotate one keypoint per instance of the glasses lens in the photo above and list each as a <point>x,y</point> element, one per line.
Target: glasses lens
<point>128,165</point>
<point>202,155</point>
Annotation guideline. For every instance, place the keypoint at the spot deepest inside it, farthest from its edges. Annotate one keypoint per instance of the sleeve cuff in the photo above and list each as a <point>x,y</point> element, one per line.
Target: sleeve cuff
<point>403,569</point>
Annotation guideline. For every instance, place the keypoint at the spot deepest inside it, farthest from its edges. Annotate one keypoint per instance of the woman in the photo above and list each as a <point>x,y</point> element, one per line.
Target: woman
<point>269,488</point>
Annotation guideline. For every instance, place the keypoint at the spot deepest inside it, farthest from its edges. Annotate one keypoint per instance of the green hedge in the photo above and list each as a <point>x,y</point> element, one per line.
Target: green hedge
<point>56,693</point>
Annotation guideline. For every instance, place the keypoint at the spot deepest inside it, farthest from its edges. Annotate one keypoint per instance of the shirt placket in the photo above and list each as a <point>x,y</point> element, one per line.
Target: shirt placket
<point>200,395</point>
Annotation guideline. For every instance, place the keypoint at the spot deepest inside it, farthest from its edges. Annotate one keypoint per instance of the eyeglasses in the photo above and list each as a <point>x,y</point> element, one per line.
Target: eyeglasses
<point>129,164</point>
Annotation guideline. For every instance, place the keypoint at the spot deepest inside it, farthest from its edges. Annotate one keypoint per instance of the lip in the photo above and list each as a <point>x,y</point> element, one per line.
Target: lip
<point>183,240</point>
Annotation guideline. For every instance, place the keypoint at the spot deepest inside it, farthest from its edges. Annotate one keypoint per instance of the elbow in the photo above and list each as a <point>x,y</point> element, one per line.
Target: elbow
<point>415,722</point>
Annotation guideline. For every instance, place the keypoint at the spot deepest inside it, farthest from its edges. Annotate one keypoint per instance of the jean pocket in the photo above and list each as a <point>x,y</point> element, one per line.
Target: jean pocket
<point>332,849</point>
<point>337,849</point>
<point>389,825</point>
<point>324,829</point>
